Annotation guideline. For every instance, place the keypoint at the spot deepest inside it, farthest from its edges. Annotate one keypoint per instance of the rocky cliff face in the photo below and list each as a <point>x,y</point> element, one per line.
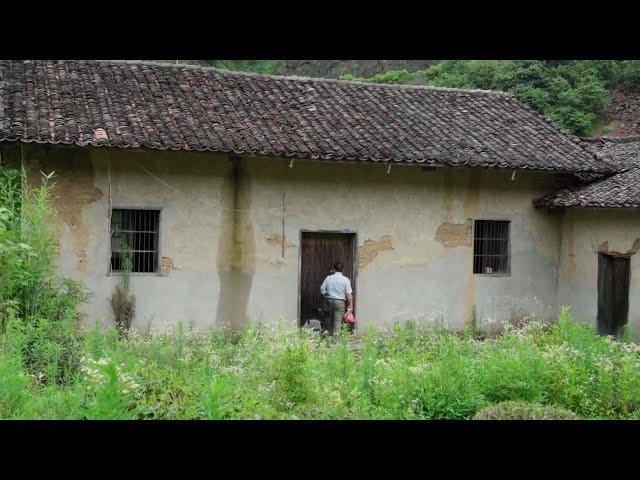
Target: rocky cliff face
<point>622,116</point>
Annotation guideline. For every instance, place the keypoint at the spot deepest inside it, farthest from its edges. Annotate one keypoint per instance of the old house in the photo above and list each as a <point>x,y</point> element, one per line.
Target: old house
<point>237,191</point>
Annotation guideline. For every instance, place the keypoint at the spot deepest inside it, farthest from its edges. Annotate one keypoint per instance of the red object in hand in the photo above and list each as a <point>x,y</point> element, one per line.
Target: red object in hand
<point>348,318</point>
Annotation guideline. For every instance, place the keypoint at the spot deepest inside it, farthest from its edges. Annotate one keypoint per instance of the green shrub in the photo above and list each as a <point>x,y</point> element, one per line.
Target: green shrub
<point>51,350</point>
<point>512,369</point>
<point>55,402</point>
<point>112,391</point>
<point>630,73</point>
<point>291,374</point>
<point>219,399</point>
<point>41,306</point>
<point>14,387</point>
<point>29,286</point>
<point>524,411</point>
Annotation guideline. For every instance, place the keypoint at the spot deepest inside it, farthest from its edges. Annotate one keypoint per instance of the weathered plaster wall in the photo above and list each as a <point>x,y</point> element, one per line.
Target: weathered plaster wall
<point>585,232</point>
<point>188,188</point>
<point>222,234</point>
<point>414,232</point>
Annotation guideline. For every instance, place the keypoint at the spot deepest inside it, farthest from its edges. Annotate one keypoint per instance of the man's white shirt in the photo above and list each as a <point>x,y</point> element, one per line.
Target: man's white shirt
<point>336,286</point>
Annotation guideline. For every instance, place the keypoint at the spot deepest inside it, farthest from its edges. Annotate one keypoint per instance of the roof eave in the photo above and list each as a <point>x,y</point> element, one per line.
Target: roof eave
<point>460,163</point>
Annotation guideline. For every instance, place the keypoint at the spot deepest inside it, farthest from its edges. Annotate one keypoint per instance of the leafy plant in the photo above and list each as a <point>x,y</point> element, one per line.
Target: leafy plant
<point>112,396</point>
<point>14,387</point>
<point>122,301</point>
<point>218,399</point>
<point>471,327</point>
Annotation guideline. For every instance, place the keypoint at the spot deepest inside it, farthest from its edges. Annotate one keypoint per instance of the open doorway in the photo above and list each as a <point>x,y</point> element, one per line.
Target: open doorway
<point>318,251</point>
<point>614,272</point>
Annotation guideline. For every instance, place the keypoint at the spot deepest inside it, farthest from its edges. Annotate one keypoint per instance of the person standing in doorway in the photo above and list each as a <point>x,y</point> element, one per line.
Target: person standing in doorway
<point>336,288</point>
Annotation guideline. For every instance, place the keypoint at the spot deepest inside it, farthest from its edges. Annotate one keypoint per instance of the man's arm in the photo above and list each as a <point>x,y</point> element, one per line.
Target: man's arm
<point>323,287</point>
<point>349,302</point>
<point>349,294</point>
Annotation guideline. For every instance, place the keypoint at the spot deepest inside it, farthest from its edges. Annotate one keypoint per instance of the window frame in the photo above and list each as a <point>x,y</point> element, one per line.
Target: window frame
<point>158,272</point>
<point>473,246</point>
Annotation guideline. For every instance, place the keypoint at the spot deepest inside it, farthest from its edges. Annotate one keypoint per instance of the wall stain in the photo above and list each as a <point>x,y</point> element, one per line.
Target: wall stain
<point>453,235</point>
<point>471,211</point>
<point>236,260</point>
<point>277,262</point>
<point>447,199</point>
<point>470,298</point>
<point>571,246</point>
<point>74,188</point>
<point>369,250</point>
<point>545,231</point>
<point>275,240</point>
<point>472,197</point>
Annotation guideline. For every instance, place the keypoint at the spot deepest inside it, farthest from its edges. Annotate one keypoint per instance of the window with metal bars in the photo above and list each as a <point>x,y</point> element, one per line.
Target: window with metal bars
<point>491,249</point>
<point>135,231</point>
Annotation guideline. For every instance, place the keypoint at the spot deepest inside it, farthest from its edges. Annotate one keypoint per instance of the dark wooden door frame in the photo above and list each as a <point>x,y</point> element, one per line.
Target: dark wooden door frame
<point>606,321</point>
<point>355,264</point>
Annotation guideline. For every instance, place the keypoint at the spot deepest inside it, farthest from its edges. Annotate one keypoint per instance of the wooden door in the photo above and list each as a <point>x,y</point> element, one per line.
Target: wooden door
<point>318,252</point>
<point>614,274</point>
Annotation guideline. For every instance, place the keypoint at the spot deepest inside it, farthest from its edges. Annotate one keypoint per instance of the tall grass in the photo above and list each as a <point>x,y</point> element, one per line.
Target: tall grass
<point>410,371</point>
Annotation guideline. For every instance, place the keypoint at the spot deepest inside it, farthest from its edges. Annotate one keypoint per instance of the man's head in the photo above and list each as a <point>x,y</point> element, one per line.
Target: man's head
<point>338,266</point>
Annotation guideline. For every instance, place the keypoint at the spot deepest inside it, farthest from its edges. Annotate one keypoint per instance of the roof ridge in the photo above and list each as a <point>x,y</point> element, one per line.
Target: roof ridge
<point>603,138</point>
<point>312,79</point>
<point>575,139</point>
<point>630,139</point>
<point>582,194</point>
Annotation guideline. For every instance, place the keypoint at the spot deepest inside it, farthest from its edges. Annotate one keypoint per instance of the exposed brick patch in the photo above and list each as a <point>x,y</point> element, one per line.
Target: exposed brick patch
<point>369,250</point>
<point>453,235</point>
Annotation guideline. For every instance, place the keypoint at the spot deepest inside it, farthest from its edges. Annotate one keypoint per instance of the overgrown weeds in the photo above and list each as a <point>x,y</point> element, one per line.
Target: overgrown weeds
<point>122,301</point>
<point>38,309</point>
<point>407,372</point>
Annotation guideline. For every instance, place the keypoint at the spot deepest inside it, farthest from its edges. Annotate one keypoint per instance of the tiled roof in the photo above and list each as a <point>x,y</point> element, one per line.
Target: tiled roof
<point>145,105</point>
<point>621,190</point>
<point>623,151</point>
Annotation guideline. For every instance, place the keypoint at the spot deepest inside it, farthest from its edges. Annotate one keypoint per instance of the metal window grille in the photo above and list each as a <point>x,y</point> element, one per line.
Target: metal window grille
<point>491,249</point>
<point>135,231</point>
